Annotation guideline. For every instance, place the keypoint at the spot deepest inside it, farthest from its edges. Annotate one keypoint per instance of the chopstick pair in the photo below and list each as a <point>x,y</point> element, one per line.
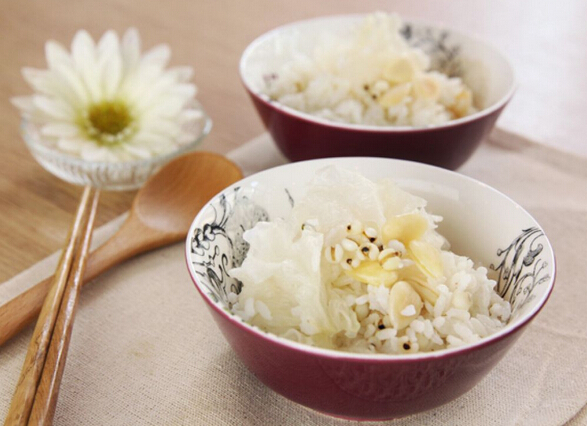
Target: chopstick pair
<point>36,393</point>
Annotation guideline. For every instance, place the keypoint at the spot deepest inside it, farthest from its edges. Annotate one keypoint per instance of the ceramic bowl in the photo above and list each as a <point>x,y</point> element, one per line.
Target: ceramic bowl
<point>479,221</point>
<point>301,136</point>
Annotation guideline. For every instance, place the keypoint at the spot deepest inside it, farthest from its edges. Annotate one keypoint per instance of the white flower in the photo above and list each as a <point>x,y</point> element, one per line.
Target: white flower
<point>106,102</point>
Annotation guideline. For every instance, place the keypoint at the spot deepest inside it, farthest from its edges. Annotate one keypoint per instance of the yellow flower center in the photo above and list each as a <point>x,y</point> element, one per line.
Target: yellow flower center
<point>109,122</point>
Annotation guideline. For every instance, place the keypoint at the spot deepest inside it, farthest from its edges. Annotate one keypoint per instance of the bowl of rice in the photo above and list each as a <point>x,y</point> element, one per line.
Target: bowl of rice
<point>369,288</point>
<point>375,85</point>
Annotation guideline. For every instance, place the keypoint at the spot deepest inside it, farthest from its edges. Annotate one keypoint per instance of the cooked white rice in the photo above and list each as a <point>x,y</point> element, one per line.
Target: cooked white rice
<point>360,267</point>
<point>372,77</point>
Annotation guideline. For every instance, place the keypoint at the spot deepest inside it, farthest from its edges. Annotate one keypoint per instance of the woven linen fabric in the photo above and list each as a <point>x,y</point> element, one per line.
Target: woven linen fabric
<point>145,350</point>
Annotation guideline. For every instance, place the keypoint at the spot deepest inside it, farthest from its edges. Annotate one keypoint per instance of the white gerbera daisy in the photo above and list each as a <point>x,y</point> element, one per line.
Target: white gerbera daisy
<point>106,102</point>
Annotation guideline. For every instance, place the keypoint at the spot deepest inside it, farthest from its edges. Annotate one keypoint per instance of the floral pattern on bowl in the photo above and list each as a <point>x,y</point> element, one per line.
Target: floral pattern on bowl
<point>218,245</point>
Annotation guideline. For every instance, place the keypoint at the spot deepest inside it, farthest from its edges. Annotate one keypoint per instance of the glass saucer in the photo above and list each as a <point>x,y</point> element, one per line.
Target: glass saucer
<point>121,176</point>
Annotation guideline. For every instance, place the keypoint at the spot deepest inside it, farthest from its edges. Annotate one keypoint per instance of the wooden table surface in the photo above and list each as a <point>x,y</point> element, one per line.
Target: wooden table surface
<point>545,40</point>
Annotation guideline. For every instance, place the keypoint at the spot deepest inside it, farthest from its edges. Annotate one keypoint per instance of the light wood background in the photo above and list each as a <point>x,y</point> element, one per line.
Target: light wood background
<point>545,40</point>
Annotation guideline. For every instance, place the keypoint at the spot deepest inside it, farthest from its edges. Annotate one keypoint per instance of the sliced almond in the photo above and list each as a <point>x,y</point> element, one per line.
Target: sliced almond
<point>395,95</point>
<point>427,258</point>
<point>463,103</point>
<point>379,87</point>
<point>427,87</point>
<point>405,305</point>
<point>371,272</point>
<point>419,281</point>
<point>405,228</point>
<point>392,263</point>
<point>425,291</point>
<point>400,70</point>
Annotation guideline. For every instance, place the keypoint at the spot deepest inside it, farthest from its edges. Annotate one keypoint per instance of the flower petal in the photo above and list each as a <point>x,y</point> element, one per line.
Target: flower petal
<point>86,63</point>
<point>55,108</point>
<point>190,115</point>
<point>69,80</point>
<point>168,107</point>
<point>167,128</point>
<point>137,82</point>
<point>108,42</point>
<point>110,63</point>
<point>157,57</point>
<point>93,152</point>
<point>182,74</point>
<point>140,83</point>
<point>37,79</point>
<point>50,82</point>
<point>137,151</point>
<point>131,49</point>
<point>60,130</point>
<point>56,54</point>
<point>147,92</point>
<point>149,139</point>
<point>75,145</point>
<point>83,49</point>
<point>187,91</point>
<point>24,103</point>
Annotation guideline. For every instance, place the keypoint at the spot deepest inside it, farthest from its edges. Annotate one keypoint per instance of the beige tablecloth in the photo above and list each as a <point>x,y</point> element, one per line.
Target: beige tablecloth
<point>145,351</point>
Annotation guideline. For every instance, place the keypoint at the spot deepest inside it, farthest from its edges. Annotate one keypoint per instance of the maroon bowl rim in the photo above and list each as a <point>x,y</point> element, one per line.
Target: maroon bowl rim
<point>366,357</point>
<point>310,119</point>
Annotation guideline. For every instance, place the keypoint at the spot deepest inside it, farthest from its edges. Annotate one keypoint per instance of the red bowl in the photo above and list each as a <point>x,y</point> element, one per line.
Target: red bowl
<point>373,386</point>
<point>301,136</point>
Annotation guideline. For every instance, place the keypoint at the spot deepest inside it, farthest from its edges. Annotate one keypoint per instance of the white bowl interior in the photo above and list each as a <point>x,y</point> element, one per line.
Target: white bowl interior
<point>479,222</point>
<point>482,67</point>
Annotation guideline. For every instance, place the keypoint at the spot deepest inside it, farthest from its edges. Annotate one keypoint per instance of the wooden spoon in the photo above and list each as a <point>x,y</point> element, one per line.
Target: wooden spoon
<point>161,214</point>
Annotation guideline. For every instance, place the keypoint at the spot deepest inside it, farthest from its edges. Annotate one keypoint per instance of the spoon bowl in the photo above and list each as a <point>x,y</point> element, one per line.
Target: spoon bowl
<point>185,186</point>
<point>161,214</point>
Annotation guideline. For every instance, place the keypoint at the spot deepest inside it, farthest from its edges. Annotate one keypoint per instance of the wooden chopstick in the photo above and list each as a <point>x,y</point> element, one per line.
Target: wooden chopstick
<point>24,395</point>
<point>48,389</point>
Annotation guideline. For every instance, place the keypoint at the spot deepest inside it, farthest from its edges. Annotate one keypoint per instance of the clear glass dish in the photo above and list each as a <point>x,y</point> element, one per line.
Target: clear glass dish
<point>121,176</point>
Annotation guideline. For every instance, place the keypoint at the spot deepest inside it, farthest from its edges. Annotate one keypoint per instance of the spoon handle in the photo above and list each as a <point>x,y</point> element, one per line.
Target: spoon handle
<point>23,309</point>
